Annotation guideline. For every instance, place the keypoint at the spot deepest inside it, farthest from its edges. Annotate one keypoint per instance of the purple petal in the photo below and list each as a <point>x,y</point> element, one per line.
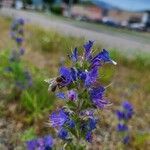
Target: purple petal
<point>88,48</point>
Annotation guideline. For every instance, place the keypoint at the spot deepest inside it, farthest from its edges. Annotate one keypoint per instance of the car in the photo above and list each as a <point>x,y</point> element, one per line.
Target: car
<point>110,22</point>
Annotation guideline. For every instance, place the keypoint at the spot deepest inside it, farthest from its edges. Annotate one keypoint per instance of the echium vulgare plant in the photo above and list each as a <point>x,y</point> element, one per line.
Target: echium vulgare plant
<point>17,31</point>
<point>21,76</point>
<point>83,95</point>
<point>124,115</point>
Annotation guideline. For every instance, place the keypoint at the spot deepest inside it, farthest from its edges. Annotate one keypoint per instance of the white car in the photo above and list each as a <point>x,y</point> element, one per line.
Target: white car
<point>137,26</point>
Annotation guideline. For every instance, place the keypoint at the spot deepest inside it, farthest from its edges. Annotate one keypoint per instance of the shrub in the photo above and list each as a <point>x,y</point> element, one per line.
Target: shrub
<point>57,9</point>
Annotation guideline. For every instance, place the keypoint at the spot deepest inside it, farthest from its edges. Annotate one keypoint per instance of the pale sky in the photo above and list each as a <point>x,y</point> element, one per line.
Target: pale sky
<point>131,5</point>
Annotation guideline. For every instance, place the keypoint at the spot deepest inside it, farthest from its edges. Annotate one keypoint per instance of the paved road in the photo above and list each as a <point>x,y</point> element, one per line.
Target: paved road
<point>124,44</point>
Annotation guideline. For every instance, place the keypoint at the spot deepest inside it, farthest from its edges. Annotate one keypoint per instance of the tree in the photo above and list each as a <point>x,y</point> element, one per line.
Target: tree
<point>49,1</point>
<point>29,2</point>
<point>74,1</point>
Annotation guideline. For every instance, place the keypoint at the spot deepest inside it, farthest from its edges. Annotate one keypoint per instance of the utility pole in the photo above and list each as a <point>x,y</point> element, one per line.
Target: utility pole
<point>69,7</point>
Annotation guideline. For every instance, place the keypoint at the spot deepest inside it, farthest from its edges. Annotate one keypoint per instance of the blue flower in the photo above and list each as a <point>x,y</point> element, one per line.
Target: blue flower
<point>20,21</point>
<point>89,137</point>
<point>102,57</point>
<point>91,76</point>
<point>74,56</point>
<point>88,48</point>
<point>73,74</point>
<point>125,114</point>
<point>92,123</point>
<point>122,127</point>
<point>17,31</point>
<point>65,73</point>
<point>60,95</point>
<point>127,111</point>
<point>44,143</point>
<point>70,123</point>
<point>58,118</point>
<point>101,103</point>
<point>21,51</point>
<point>48,140</point>
<point>63,134</point>
<point>127,106</point>
<point>81,75</point>
<point>88,126</point>
<point>126,139</point>
<point>97,97</point>
<point>120,114</point>
<point>72,95</point>
<point>97,92</point>
<point>19,40</point>
<point>31,145</point>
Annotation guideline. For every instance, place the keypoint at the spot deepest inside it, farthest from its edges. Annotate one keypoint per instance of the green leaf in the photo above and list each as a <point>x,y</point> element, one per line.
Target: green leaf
<point>29,134</point>
<point>71,105</point>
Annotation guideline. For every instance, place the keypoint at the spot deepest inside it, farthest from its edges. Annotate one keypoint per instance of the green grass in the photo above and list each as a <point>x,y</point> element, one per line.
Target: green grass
<point>36,100</point>
<point>53,42</point>
<point>50,41</point>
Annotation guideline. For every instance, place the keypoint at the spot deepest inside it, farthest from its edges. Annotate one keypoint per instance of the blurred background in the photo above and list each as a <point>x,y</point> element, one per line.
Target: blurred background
<point>52,29</point>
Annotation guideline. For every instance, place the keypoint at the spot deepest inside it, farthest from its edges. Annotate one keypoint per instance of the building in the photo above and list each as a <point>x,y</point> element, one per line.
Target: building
<point>90,12</point>
<point>8,3</point>
<point>120,15</point>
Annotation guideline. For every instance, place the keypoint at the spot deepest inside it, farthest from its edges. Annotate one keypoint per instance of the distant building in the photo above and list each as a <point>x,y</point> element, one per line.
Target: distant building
<point>91,12</point>
<point>18,4</point>
<point>8,3</point>
<point>120,15</point>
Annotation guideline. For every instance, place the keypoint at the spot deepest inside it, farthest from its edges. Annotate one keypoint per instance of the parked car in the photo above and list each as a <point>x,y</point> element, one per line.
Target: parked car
<point>110,22</point>
<point>137,26</point>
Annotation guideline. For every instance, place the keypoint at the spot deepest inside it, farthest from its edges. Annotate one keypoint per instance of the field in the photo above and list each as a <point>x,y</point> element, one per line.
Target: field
<point>26,114</point>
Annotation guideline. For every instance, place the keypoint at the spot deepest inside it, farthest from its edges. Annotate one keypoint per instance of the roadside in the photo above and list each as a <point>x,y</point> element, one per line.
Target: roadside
<point>128,45</point>
<point>98,27</point>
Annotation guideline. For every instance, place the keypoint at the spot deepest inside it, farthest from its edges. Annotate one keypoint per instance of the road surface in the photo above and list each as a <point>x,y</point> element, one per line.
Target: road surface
<point>123,44</point>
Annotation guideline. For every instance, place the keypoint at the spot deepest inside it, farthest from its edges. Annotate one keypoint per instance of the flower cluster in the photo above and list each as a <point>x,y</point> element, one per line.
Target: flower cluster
<point>44,143</point>
<point>83,95</point>
<point>22,77</point>
<point>17,32</point>
<point>124,116</point>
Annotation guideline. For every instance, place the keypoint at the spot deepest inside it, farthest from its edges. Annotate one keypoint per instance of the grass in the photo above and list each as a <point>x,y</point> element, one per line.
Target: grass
<point>129,80</point>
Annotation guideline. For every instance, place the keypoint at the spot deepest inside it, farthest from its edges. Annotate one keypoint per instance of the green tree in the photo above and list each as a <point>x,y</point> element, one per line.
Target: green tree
<point>27,2</point>
<point>49,1</point>
<point>74,1</point>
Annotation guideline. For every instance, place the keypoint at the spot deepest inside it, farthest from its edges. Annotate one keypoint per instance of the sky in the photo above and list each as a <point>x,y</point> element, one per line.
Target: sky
<point>132,5</point>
